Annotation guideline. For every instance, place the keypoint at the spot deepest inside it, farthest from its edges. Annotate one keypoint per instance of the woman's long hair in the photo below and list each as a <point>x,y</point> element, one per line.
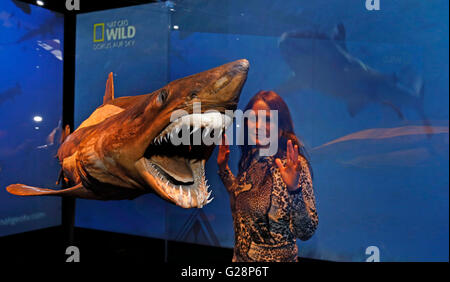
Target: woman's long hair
<point>285,128</point>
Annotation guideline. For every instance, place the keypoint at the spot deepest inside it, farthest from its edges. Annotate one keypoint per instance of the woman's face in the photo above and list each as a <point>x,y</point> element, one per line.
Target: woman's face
<point>257,129</point>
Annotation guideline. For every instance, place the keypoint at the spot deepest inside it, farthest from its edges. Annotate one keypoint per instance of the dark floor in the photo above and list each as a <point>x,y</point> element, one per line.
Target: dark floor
<point>101,246</point>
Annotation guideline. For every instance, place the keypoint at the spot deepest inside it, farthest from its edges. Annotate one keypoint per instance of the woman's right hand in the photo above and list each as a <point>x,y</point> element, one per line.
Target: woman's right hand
<point>224,153</point>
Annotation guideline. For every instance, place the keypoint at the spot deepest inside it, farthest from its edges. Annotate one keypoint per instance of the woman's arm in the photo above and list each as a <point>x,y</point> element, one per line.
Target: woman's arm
<point>304,217</point>
<point>227,178</point>
<point>297,178</point>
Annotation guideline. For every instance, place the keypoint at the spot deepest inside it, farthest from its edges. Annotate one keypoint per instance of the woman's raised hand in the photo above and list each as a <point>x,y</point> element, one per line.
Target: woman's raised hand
<point>291,171</point>
<point>224,153</point>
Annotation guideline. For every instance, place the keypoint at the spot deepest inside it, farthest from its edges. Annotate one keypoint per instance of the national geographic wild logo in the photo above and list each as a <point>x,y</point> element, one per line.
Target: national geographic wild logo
<point>113,34</point>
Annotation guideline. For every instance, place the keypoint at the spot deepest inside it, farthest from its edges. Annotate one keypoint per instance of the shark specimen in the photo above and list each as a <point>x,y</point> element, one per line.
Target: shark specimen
<point>321,62</point>
<point>124,149</point>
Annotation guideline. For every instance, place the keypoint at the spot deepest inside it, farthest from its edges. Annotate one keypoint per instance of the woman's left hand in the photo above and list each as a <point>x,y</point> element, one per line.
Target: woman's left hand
<point>291,171</point>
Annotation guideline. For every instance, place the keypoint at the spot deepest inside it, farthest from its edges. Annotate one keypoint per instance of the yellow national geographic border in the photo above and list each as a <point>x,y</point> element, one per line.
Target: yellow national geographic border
<point>103,32</point>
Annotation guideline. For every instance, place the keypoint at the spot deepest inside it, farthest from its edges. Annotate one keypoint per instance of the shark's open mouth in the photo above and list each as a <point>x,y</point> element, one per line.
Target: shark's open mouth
<point>175,161</point>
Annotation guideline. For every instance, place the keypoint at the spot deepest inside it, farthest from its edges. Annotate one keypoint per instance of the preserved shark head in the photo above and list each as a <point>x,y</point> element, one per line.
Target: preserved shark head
<point>190,110</point>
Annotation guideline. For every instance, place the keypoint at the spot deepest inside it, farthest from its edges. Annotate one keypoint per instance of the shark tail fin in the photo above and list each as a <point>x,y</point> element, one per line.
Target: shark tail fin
<point>78,191</point>
<point>109,91</point>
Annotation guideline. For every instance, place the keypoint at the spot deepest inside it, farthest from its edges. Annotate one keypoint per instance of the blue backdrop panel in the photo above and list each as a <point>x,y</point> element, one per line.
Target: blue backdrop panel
<point>31,40</point>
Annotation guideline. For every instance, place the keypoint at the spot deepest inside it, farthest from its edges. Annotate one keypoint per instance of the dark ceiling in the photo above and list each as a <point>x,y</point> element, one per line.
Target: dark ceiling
<point>87,5</point>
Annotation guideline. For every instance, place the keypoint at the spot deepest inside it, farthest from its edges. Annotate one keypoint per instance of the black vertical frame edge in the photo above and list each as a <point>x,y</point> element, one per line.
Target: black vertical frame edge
<point>68,204</point>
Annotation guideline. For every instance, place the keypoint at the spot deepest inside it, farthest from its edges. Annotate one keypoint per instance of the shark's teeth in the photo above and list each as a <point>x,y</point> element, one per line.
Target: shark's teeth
<point>209,194</point>
<point>195,129</point>
<point>195,198</point>
<point>189,198</point>
<point>199,199</point>
<point>180,195</point>
<point>206,131</point>
<point>186,196</point>
<point>209,121</point>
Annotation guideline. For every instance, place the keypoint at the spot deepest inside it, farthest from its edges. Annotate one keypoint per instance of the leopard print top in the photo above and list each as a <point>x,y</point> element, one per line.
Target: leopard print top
<point>267,218</point>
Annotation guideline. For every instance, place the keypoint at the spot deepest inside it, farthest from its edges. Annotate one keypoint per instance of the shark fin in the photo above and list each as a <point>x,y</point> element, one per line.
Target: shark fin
<point>78,191</point>
<point>339,35</point>
<point>109,91</point>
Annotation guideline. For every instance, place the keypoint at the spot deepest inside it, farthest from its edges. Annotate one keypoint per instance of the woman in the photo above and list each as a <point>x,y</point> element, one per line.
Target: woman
<point>272,198</point>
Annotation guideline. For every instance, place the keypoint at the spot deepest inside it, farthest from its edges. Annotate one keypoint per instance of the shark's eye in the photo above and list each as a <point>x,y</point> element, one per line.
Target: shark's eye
<point>162,96</point>
<point>193,94</point>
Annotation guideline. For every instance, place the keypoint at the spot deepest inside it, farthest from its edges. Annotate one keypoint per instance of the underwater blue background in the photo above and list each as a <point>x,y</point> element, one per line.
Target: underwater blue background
<point>379,180</point>
<point>31,40</point>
